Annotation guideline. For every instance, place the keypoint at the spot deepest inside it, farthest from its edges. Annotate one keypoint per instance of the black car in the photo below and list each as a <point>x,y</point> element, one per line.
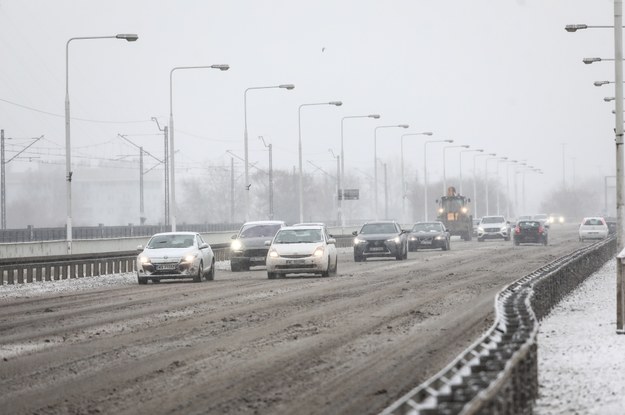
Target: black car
<point>380,239</point>
<point>429,235</point>
<point>248,246</point>
<point>530,231</point>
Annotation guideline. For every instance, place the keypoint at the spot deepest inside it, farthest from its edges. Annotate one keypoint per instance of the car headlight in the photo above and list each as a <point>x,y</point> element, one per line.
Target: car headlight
<point>189,258</point>
<point>395,239</point>
<point>438,238</point>
<point>236,245</point>
<point>273,253</point>
<point>464,209</point>
<point>318,252</point>
<point>413,238</point>
<point>441,210</point>
<point>504,228</point>
<point>144,259</point>
<point>359,241</point>
<point>480,229</point>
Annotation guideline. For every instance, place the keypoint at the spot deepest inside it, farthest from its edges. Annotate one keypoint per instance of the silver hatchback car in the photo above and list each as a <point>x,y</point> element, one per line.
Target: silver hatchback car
<point>175,255</point>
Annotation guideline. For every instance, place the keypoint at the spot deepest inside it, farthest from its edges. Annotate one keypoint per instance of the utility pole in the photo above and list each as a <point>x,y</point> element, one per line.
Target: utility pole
<point>270,148</point>
<point>3,163</point>
<point>231,189</point>
<point>142,217</point>
<point>165,131</point>
<point>385,193</point>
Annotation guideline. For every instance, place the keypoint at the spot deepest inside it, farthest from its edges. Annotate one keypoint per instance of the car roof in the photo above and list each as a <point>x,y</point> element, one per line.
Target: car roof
<point>300,227</point>
<point>380,221</point>
<point>308,224</point>
<point>264,222</point>
<point>428,222</point>
<point>175,233</point>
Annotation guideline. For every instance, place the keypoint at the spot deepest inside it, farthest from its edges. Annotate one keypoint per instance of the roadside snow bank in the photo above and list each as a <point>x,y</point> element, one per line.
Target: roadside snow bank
<point>581,365</point>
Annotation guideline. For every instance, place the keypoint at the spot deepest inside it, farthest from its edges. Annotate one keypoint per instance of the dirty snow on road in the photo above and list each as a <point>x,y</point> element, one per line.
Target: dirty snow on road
<point>580,357</point>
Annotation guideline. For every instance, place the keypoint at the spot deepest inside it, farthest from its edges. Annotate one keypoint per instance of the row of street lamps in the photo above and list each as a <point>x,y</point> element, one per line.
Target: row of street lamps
<point>340,163</point>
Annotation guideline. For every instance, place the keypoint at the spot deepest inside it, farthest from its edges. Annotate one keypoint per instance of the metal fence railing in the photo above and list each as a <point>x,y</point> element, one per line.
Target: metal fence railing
<point>498,374</point>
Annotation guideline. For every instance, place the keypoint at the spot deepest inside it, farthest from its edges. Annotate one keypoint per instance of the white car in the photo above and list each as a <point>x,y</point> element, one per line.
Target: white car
<point>301,250</point>
<point>493,227</point>
<point>175,255</point>
<point>593,228</point>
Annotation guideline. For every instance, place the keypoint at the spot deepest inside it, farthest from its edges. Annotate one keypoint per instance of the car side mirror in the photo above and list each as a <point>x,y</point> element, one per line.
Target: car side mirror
<point>436,200</point>
<point>204,246</point>
<point>267,243</point>
<point>233,237</point>
<point>468,200</point>
<point>332,241</point>
<point>355,233</point>
<point>139,248</point>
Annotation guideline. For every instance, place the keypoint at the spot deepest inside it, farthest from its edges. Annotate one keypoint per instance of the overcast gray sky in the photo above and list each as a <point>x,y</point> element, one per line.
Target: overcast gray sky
<point>500,75</point>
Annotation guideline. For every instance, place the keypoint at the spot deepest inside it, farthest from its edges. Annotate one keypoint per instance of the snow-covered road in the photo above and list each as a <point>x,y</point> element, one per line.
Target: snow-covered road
<point>581,361</point>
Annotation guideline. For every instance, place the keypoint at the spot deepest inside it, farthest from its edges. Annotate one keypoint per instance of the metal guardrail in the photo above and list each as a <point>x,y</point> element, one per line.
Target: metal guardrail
<point>498,374</point>
<point>61,267</point>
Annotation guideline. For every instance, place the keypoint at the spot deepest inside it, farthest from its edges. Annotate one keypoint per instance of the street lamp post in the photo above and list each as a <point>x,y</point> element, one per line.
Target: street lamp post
<point>501,160</point>
<point>475,180</point>
<point>618,133</point>
<point>486,182</point>
<point>301,173</point>
<point>342,156</point>
<point>425,174</point>
<point>460,164</point>
<point>508,186</point>
<point>245,143</point>
<point>444,173</point>
<point>403,181</point>
<point>172,212</point>
<point>270,148</point>
<point>375,161</point>
<point>68,150</point>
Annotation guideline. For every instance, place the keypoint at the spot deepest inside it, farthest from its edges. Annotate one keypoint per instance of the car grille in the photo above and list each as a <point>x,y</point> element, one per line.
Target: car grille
<point>296,266</point>
<point>255,253</point>
<point>491,229</point>
<point>296,256</point>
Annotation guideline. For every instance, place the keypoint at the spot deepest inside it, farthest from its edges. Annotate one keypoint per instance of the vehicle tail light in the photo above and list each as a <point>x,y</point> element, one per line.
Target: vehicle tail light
<point>517,230</point>
<point>541,229</point>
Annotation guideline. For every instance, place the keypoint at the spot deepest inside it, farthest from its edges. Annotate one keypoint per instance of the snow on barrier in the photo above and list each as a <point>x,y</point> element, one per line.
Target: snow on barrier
<point>498,374</point>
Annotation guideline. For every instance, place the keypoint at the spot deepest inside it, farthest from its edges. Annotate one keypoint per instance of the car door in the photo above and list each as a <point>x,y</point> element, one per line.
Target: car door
<point>330,247</point>
<point>207,253</point>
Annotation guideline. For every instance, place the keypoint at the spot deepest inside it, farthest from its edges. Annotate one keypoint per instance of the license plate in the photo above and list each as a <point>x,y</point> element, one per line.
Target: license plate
<point>295,261</point>
<point>165,267</point>
<point>425,243</point>
<point>257,258</point>
<point>376,248</point>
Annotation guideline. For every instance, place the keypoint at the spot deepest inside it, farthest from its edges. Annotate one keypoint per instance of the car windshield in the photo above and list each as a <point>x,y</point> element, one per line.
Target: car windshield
<point>171,241</point>
<point>593,222</point>
<point>375,228</point>
<point>427,227</point>
<point>540,217</point>
<point>529,224</point>
<point>493,219</point>
<point>298,236</point>
<point>257,231</point>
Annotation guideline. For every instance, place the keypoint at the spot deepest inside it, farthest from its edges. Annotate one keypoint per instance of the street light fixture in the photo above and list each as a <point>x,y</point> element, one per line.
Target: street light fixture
<point>375,160</point>
<point>68,149</point>
<point>425,174</point>
<point>403,181</point>
<point>342,156</point>
<point>172,151</point>
<point>444,167</point>
<point>245,142</point>
<point>299,125</point>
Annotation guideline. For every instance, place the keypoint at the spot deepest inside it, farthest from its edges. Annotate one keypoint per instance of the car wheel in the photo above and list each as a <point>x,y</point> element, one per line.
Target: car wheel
<point>336,265</point>
<point>142,280</point>
<point>480,239</point>
<point>198,276</point>
<point>507,239</point>
<point>545,241</point>
<point>358,258</point>
<point>448,245</point>
<point>516,242</point>
<point>406,252</point>
<point>271,275</point>
<point>234,267</point>
<point>211,274</point>
<point>444,247</point>
<point>326,273</point>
